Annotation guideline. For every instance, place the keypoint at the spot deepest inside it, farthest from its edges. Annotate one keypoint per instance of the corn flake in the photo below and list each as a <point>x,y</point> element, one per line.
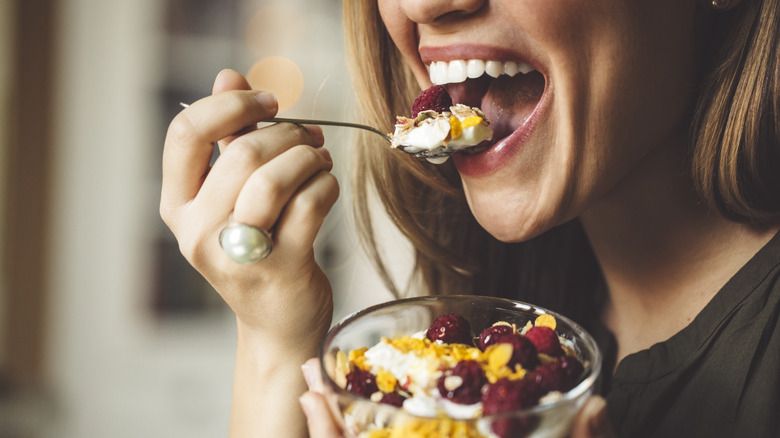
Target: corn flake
<point>546,320</point>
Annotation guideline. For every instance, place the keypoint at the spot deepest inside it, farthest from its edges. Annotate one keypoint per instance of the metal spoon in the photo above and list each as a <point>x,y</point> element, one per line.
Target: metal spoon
<point>440,152</point>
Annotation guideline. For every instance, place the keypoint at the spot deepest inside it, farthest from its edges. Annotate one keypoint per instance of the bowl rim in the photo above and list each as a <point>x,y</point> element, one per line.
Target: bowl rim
<point>590,380</point>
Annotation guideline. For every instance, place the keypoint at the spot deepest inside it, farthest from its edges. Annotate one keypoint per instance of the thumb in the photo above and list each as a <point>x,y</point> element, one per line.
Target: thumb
<point>592,421</point>
<point>227,80</point>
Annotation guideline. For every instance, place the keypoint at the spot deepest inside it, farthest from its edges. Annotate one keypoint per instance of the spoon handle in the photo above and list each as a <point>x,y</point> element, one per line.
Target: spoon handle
<point>331,123</point>
<point>321,122</point>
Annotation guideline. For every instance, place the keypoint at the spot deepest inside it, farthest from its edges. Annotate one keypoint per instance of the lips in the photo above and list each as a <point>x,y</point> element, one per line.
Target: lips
<point>510,91</point>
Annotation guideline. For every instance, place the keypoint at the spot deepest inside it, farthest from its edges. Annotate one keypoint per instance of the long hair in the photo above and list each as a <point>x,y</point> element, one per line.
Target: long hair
<point>733,161</point>
<point>736,132</point>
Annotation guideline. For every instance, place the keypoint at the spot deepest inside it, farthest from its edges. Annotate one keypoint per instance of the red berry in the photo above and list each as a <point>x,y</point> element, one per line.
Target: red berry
<point>511,395</point>
<point>523,351</point>
<point>463,383</point>
<point>489,335</point>
<point>551,377</point>
<point>361,382</point>
<point>545,340</point>
<point>393,399</point>
<point>435,98</point>
<point>451,329</point>
<point>573,368</point>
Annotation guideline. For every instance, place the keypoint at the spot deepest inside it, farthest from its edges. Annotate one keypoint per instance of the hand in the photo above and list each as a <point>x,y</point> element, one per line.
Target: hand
<point>592,421</point>
<point>276,178</point>
<point>320,415</point>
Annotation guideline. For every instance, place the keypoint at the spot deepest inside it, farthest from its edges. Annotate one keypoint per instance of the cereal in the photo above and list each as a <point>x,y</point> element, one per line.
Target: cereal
<point>449,375</point>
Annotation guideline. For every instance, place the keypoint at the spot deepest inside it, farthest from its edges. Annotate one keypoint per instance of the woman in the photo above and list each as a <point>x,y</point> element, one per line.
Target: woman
<point>631,186</point>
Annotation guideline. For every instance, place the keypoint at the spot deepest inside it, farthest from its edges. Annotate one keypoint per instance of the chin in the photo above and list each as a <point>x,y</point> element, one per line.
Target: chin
<point>510,220</point>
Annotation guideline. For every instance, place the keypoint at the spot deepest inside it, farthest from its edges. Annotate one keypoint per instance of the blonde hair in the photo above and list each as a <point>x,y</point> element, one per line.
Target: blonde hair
<point>734,160</point>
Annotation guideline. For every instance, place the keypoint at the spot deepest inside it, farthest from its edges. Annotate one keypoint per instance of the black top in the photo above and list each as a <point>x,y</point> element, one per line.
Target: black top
<point>719,376</point>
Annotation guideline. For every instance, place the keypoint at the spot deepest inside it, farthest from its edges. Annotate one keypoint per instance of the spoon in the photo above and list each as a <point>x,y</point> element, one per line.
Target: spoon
<point>440,152</point>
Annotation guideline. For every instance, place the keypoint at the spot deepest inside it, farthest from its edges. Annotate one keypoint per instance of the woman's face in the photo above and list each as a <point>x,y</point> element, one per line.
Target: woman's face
<point>612,81</point>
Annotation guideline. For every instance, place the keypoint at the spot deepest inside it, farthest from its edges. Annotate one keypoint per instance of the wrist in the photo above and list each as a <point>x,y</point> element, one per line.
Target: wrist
<point>262,345</point>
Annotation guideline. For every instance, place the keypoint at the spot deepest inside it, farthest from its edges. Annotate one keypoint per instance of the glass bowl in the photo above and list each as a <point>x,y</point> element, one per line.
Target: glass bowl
<point>361,417</point>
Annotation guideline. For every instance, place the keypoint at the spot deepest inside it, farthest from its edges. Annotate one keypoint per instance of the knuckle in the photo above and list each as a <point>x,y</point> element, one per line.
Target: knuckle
<point>318,203</point>
<point>167,214</point>
<point>235,100</point>
<point>297,132</point>
<point>269,189</point>
<point>243,152</point>
<point>307,204</point>
<point>182,129</point>
<point>193,248</point>
<point>307,153</point>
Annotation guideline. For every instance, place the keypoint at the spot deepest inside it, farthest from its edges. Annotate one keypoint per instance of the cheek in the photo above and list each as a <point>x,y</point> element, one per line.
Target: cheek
<point>404,35</point>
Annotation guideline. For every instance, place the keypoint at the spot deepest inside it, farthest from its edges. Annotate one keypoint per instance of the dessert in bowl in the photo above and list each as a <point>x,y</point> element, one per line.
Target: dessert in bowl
<point>458,366</point>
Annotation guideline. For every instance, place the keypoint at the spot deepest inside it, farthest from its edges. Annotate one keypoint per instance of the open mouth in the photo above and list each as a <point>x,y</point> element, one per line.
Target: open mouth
<point>508,92</point>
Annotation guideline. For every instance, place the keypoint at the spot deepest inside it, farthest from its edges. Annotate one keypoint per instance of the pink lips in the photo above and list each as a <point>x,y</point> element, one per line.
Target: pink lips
<point>492,158</point>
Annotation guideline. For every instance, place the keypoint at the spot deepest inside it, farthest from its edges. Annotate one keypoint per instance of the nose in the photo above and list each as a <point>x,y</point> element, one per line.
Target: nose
<point>430,11</point>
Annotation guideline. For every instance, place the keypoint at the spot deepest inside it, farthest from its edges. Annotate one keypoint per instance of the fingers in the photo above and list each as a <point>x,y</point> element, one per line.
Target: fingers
<point>318,416</point>
<point>592,421</point>
<point>264,168</point>
<point>304,214</point>
<point>268,189</point>
<point>191,134</point>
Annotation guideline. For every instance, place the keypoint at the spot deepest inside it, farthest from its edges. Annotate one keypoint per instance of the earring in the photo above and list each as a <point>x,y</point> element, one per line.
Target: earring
<point>720,5</point>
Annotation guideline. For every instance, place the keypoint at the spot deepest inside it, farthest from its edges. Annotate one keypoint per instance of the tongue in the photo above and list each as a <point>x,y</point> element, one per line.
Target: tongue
<point>506,101</point>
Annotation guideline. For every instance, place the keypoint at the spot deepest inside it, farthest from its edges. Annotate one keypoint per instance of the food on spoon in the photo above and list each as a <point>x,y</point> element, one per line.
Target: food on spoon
<point>448,375</point>
<point>437,128</point>
<point>435,98</point>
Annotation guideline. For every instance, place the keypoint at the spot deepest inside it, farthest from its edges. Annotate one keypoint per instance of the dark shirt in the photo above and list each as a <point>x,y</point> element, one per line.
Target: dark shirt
<point>719,376</point>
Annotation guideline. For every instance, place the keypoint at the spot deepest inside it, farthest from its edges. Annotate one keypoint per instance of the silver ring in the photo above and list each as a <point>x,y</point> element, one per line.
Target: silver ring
<point>244,243</point>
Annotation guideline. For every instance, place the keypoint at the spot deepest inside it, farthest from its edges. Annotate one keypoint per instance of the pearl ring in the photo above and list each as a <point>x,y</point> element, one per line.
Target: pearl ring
<point>244,243</point>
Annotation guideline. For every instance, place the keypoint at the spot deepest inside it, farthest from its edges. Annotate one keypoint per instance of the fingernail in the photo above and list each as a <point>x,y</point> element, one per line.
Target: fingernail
<point>305,404</point>
<point>306,374</point>
<point>267,99</point>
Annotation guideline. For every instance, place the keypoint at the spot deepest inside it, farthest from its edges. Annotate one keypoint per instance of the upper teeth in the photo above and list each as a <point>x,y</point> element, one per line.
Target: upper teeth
<point>443,72</point>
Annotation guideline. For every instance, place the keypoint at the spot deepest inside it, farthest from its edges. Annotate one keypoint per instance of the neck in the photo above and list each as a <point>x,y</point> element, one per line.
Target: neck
<point>663,254</point>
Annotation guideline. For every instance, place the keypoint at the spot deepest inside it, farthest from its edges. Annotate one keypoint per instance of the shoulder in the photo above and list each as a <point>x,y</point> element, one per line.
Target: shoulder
<point>717,377</point>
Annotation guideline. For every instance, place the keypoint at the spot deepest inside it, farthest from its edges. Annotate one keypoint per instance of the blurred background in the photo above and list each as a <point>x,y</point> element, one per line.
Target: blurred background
<point>105,331</point>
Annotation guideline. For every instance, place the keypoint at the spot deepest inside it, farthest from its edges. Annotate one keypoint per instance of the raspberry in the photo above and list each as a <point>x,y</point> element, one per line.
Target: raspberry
<point>451,329</point>
<point>551,377</point>
<point>361,382</point>
<point>393,399</point>
<point>489,335</point>
<point>463,383</point>
<point>435,98</point>
<point>523,350</point>
<point>545,340</point>
<point>573,368</point>
<point>511,395</point>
